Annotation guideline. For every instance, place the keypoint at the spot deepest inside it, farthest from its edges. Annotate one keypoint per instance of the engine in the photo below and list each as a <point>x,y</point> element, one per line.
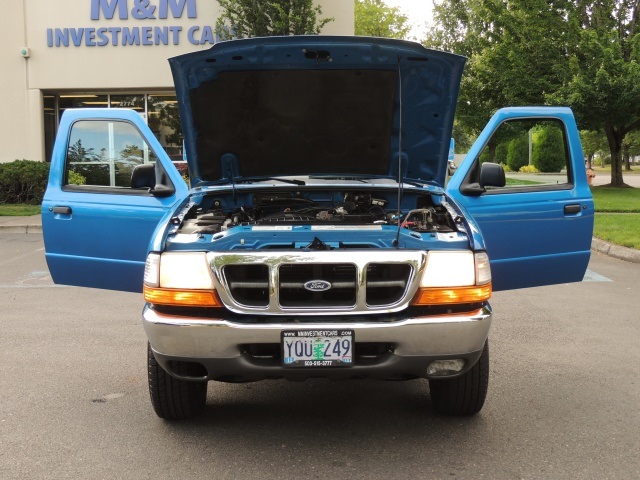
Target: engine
<point>314,208</point>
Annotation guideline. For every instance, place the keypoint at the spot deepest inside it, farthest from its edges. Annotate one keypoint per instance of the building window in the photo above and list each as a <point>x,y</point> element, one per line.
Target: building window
<point>160,111</point>
<point>80,101</point>
<point>163,119</point>
<point>50,123</point>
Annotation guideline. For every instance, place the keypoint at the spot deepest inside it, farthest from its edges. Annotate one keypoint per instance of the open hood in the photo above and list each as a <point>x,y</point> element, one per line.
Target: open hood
<point>314,105</point>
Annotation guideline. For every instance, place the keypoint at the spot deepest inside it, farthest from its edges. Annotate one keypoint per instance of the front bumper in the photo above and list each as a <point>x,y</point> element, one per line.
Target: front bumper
<point>225,350</point>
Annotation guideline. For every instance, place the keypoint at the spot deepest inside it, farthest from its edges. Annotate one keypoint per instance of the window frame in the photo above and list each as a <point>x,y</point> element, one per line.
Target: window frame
<point>109,189</point>
<point>474,170</point>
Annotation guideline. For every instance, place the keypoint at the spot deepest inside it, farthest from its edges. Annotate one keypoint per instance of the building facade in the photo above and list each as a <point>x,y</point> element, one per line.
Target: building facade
<point>103,53</point>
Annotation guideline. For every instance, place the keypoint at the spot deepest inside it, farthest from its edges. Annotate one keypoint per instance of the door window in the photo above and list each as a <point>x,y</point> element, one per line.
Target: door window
<point>533,153</point>
<point>103,153</point>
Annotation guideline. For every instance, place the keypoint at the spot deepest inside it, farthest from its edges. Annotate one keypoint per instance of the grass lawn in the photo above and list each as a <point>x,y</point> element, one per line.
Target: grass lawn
<point>11,210</point>
<point>619,228</point>
<point>635,170</point>
<point>609,199</point>
<point>518,181</point>
<point>612,226</point>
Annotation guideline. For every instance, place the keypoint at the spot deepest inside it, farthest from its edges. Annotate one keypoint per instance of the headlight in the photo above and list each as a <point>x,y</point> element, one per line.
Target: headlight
<point>152,270</point>
<point>449,269</point>
<point>188,270</point>
<point>483,268</point>
<point>179,278</point>
<point>456,276</point>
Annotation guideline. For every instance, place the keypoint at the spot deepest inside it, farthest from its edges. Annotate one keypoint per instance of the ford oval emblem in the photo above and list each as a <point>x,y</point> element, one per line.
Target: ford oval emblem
<point>317,286</point>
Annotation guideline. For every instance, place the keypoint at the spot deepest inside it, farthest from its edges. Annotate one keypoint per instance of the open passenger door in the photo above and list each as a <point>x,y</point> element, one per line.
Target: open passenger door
<point>538,227</point>
<point>110,184</point>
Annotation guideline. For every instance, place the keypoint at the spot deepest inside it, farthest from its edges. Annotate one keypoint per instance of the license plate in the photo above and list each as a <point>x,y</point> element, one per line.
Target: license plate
<point>317,348</point>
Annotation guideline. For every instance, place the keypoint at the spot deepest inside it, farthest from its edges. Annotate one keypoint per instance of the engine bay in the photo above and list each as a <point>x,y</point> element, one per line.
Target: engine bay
<point>220,213</point>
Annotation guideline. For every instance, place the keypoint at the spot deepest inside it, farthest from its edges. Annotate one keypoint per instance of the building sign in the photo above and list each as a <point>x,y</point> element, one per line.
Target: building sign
<point>132,11</point>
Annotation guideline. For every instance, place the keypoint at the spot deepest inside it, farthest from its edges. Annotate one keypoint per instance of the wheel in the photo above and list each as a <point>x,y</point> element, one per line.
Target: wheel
<point>174,399</point>
<point>463,395</point>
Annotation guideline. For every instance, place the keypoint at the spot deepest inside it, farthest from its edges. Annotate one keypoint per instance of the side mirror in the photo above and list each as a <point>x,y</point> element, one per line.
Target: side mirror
<point>492,175</point>
<point>144,176</point>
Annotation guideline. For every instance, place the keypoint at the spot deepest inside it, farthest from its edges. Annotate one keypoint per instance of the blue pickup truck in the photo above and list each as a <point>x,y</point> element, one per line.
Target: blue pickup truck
<point>317,237</point>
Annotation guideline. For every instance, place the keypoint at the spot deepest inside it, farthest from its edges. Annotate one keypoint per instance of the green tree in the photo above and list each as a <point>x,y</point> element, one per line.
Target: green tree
<point>374,18</point>
<point>78,153</point>
<point>585,54</point>
<point>593,142</point>
<point>630,147</point>
<point>264,18</point>
<point>518,152</point>
<point>514,49</point>
<point>548,149</point>
<point>604,84</point>
<point>502,151</point>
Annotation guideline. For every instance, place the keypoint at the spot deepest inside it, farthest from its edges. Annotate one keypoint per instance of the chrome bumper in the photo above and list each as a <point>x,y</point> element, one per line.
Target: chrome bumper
<point>219,344</point>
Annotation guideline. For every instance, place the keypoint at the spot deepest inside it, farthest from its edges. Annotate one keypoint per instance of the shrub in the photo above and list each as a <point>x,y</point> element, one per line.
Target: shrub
<point>502,151</point>
<point>548,150</point>
<point>76,179</point>
<point>529,169</point>
<point>23,181</point>
<point>518,152</point>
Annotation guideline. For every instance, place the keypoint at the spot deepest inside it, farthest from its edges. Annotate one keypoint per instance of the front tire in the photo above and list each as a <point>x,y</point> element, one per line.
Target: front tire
<point>174,399</point>
<point>463,395</point>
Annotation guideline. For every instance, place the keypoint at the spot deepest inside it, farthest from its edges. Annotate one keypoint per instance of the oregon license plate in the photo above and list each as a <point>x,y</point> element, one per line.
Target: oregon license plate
<point>317,348</point>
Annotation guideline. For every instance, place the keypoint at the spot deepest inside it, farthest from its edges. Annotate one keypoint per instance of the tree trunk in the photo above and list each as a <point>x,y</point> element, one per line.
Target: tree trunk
<point>625,156</point>
<point>615,138</point>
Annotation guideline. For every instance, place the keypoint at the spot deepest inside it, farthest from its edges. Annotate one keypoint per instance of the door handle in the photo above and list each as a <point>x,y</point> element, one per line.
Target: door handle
<point>62,210</point>
<point>569,209</point>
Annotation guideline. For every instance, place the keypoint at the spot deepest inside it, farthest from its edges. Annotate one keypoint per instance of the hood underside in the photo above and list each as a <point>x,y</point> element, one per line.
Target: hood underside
<point>317,105</point>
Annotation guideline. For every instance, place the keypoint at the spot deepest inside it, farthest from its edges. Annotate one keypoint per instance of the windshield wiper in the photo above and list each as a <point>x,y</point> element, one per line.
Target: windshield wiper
<point>339,177</point>
<point>277,179</point>
<point>364,179</point>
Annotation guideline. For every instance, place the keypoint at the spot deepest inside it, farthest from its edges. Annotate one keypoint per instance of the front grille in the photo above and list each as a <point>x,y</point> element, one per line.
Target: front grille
<point>248,284</point>
<point>316,283</point>
<point>340,277</point>
<point>386,282</point>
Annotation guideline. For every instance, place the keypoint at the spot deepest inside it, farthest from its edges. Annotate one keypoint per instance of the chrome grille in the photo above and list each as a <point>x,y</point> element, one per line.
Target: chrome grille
<point>269,282</point>
<point>386,282</point>
<point>248,284</point>
<point>341,277</point>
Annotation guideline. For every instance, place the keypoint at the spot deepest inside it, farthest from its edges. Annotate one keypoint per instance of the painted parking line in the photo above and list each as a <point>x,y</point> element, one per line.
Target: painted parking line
<point>32,286</point>
<point>591,276</point>
<point>35,279</point>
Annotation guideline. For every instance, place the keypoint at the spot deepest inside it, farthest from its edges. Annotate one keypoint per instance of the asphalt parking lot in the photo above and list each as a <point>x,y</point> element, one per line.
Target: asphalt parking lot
<point>563,399</point>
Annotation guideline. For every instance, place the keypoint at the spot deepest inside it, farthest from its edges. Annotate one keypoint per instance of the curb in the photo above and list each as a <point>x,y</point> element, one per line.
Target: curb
<point>615,251</point>
<point>21,228</point>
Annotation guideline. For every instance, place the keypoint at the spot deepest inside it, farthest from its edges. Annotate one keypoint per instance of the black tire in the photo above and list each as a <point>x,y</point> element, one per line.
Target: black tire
<point>174,399</point>
<point>463,395</point>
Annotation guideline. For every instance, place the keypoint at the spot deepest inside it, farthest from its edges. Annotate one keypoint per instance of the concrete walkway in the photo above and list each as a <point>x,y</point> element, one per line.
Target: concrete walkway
<point>33,224</point>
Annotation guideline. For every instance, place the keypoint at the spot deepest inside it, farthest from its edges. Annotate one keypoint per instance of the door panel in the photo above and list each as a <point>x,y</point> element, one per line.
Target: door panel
<point>97,227</point>
<point>537,228</point>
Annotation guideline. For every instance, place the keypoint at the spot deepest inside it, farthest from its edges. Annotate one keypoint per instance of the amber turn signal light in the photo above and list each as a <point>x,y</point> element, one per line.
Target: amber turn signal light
<point>190,298</point>
<point>440,296</point>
